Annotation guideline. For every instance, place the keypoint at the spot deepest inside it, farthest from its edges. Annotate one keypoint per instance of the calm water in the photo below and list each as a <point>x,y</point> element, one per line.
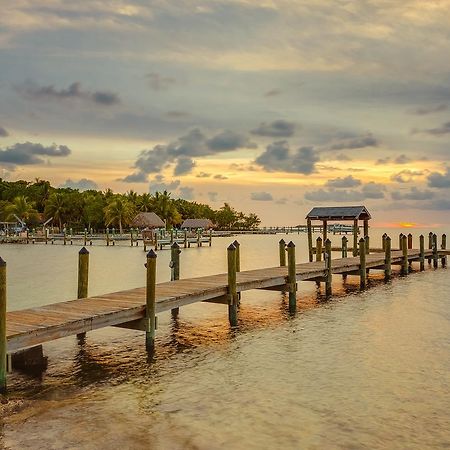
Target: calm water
<point>363,370</point>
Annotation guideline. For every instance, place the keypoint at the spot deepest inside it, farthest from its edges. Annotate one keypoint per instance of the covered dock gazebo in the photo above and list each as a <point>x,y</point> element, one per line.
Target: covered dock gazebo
<point>327,214</point>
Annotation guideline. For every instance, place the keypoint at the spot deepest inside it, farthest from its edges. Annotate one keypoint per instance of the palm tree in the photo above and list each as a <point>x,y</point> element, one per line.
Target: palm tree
<point>145,203</point>
<point>165,207</point>
<point>21,208</point>
<point>56,207</point>
<point>120,211</point>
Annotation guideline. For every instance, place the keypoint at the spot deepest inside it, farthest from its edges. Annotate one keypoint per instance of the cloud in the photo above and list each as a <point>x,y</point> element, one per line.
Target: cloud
<point>74,91</point>
<point>213,196</point>
<point>439,180</point>
<point>261,196</point>
<point>406,176</point>
<point>278,157</point>
<point>277,128</point>
<point>281,201</point>
<point>136,177</point>
<point>184,165</point>
<point>382,161</point>
<point>402,159</point>
<point>424,110</point>
<point>29,153</point>
<point>187,193</point>
<point>229,140</point>
<point>355,142</point>
<point>203,175</point>
<point>82,185</point>
<point>439,131</point>
<point>342,157</point>
<point>175,114</point>
<point>413,194</point>
<point>273,93</point>
<point>368,191</point>
<point>219,176</point>
<point>3,132</point>
<point>347,182</point>
<point>159,184</point>
<point>159,82</point>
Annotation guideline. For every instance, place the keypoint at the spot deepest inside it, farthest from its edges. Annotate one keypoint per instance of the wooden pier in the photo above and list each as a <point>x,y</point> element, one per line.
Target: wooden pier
<point>138,308</point>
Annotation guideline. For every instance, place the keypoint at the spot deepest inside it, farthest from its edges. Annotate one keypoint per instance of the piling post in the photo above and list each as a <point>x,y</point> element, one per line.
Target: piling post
<point>65,237</point>
<point>383,241</point>
<point>232,286</point>
<point>28,236</point>
<point>325,230</point>
<point>199,240</point>
<point>175,269</point>
<point>344,246</point>
<point>83,278</point>
<point>150,311</point>
<point>355,237</point>
<point>430,244</point>
<point>282,251</point>
<point>444,247</point>
<point>107,237</point>
<point>210,237</point>
<point>422,252</point>
<point>367,241</point>
<point>362,264</point>
<point>85,236</point>
<point>319,249</point>
<point>410,241</point>
<point>131,237</point>
<point>171,235</point>
<point>292,277</point>
<point>310,240</point>
<point>3,342</point>
<point>185,239</point>
<point>400,241</point>
<point>387,258</point>
<point>366,227</point>
<point>238,255</point>
<point>435,251</point>
<point>329,275</point>
<point>404,248</point>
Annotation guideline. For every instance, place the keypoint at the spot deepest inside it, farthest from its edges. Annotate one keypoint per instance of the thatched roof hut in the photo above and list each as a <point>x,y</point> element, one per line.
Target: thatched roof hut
<point>148,220</point>
<point>191,224</point>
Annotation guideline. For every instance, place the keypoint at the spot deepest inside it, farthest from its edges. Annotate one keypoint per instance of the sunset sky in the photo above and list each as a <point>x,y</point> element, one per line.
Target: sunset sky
<point>275,106</point>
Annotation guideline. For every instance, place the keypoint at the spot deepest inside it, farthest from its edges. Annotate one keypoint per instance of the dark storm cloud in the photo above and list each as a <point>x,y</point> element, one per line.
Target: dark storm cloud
<point>424,110</point>
<point>261,196</point>
<point>29,153</point>
<point>355,142</point>
<point>83,184</point>
<point>182,150</point>
<point>277,128</point>
<point>347,182</point>
<point>3,132</point>
<point>413,194</point>
<point>159,82</point>
<point>368,191</point>
<point>74,91</point>
<point>439,180</point>
<point>184,165</point>
<point>279,157</point>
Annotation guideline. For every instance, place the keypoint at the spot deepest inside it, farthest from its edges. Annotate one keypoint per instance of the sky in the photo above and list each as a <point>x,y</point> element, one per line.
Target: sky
<point>274,106</point>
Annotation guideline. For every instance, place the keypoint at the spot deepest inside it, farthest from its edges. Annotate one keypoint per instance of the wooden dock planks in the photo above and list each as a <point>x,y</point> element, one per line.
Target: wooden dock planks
<point>34,326</point>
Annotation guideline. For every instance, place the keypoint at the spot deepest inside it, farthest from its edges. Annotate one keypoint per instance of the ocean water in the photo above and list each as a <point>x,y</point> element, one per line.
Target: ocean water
<point>361,370</point>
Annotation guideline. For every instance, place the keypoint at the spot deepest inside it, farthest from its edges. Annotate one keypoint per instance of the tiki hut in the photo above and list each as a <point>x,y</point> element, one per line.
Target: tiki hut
<point>148,220</point>
<point>195,224</point>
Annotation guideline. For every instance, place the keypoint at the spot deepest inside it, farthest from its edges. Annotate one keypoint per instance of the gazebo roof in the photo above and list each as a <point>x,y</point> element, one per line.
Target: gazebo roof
<point>148,220</point>
<point>197,223</point>
<point>339,213</point>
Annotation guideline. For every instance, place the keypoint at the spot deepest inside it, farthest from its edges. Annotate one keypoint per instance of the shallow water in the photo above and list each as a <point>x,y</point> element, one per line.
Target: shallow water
<point>363,370</point>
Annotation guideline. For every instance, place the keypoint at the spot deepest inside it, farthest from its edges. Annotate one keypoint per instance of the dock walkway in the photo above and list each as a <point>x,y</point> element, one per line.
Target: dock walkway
<point>34,326</point>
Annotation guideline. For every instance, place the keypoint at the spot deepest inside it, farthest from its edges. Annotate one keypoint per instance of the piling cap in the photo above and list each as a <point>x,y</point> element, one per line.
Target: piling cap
<point>327,242</point>
<point>175,245</point>
<point>291,244</point>
<point>362,241</point>
<point>319,238</point>
<point>84,251</point>
<point>236,243</point>
<point>231,247</point>
<point>282,241</point>
<point>2,262</point>
<point>151,254</point>
<point>388,238</point>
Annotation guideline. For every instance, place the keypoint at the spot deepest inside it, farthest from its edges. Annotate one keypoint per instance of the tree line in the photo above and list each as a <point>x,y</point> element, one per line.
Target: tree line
<point>37,201</point>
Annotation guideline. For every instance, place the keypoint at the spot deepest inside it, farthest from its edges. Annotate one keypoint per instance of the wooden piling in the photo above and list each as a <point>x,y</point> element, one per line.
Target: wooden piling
<point>329,275</point>
<point>325,231</point>
<point>282,252</point>
<point>83,273</point>
<point>400,241</point>
<point>107,237</point>
<point>430,244</point>
<point>404,248</point>
<point>210,237</point>
<point>410,241</point>
<point>355,237</point>
<point>175,270</point>
<point>422,252</point>
<point>310,240</point>
<point>366,227</point>
<point>435,251</point>
<point>150,312</point>
<point>444,247</point>
<point>3,342</point>
<point>292,277</point>
<point>185,239</point>
<point>65,237</point>
<point>344,246</point>
<point>238,255</point>
<point>232,288</point>
<point>387,258</point>
<point>362,263</point>
<point>319,249</point>
<point>383,241</point>
<point>85,236</point>
<point>367,241</point>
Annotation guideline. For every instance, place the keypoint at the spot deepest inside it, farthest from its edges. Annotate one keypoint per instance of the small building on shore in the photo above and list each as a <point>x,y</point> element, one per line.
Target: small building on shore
<point>195,224</point>
<point>149,220</point>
